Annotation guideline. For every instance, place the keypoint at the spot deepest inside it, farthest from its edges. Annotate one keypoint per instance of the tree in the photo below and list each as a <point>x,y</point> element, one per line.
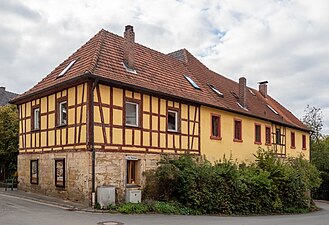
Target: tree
<point>313,118</point>
<point>8,139</point>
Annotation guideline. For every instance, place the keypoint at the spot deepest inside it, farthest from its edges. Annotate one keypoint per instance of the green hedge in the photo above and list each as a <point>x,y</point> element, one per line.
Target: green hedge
<point>270,185</point>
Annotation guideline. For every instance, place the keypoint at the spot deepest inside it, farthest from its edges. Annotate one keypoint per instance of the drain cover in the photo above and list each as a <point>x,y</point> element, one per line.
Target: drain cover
<point>109,223</point>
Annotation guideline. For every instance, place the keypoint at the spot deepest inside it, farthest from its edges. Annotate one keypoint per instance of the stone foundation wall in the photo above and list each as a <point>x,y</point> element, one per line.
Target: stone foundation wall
<point>77,175</point>
<point>111,169</point>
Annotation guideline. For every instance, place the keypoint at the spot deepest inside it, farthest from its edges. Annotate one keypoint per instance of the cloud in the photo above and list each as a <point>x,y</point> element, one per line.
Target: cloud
<point>284,42</point>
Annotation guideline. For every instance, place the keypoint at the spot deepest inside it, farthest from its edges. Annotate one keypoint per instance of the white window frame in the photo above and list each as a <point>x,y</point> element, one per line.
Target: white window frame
<point>36,118</point>
<point>137,114</point>
<point>176,121</point>
<point>60,113</point>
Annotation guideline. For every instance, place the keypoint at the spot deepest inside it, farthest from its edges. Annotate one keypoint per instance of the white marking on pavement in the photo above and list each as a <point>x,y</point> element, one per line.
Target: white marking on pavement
<point>35,201</point>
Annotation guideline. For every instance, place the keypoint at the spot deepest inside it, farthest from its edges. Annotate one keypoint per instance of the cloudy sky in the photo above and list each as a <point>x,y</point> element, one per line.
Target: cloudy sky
<point>283,41</point>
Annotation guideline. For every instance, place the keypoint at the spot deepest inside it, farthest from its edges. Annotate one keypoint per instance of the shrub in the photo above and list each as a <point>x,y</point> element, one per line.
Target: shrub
<point>270,185</point>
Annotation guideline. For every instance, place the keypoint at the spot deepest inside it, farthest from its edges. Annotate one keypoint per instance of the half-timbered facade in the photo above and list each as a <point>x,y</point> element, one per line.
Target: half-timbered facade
<point>109,112</point>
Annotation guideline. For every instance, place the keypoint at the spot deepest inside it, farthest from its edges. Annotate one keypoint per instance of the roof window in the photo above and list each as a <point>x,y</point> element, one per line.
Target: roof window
<point>273,110</point>
<point>189,79</point>
<point>252,92</point>
<point>242,106</point>
<point>220,94</point>
<point>67,68</point>
<point>235,95</point>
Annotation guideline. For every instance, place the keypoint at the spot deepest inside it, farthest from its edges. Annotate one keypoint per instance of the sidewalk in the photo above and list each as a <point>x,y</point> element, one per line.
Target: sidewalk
<point>46,200</point>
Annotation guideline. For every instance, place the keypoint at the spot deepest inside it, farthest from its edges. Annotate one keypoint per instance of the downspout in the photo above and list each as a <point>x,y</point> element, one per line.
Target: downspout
<point>93,160</point>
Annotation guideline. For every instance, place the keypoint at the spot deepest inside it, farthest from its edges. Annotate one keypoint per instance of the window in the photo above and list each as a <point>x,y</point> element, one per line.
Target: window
<point>36,119</point>
<point>60,172</point>
<point>132,114</point>
<point>238,130</point>
<point>268,136</point>
<point>220,94</point>
<point>62,113</point>
<point>273,110</point>
<point>34,172</point>
<point>258,136</point>
<point>189,79</point>
<point>132,168</point>
<point>66,68</point>
<point>293,140</point>
<point>215,127</point>
<point>278,136</point>
<point>172,121</point>
<point>304,142</point>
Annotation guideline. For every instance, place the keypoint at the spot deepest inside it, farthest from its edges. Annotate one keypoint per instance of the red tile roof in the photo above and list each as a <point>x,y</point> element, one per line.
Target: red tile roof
<point>102,56</point>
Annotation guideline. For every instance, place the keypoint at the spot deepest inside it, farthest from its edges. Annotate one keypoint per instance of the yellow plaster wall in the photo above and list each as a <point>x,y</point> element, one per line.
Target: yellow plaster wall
<point>215,149</point>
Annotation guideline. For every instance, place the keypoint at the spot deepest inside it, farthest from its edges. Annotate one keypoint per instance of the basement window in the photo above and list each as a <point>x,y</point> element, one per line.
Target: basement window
<point>220,94</point>
<point>67,68</point>
<point>34,171</point>
<point>132,171</point>
<point>273,110</point>
<point>189,79</point>
<point>60,172</point>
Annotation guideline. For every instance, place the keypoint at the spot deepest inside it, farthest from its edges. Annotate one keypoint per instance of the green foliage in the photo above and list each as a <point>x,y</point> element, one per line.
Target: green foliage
<point>165,208</point>
<point>98,206</point>
<point>313,118</point>
<point>8,139</point>
<point>270,185</point>
<point>133,208</point>
<point>320,158</point>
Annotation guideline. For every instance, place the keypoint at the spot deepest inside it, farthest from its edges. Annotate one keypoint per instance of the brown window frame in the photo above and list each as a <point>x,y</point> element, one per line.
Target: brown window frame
<point>57,182</point>
<point>259,134</point>
<point>36,179</point>
<point>292,140</point>
<point>59,101</point>
<point>36,107</point>
<point>132,172</point>
<point>178,120</point>
<point>268,136</point>
<point>304,142</point>
<point>236,138</point>
<point>139,112</point>
<point>212,136</point>
<point>278,137</point>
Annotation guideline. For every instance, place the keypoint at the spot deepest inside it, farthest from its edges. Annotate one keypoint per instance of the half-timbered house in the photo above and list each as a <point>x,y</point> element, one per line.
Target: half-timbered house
<point>112,108</point>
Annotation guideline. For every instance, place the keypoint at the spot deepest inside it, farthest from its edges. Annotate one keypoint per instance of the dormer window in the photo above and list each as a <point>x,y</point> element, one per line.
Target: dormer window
<point>67,68</point>
<point>191,81</point>
<point>220,94</point>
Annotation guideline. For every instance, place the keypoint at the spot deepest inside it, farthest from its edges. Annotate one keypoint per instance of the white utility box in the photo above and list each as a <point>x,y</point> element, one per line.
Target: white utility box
<point>106,196</point>
<point>133,195</point>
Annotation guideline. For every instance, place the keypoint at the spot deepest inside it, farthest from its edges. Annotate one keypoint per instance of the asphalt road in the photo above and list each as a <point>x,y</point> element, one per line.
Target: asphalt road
<point>19,211</point>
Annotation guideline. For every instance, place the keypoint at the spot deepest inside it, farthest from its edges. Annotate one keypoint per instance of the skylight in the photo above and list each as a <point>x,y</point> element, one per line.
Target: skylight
<point>189,79</point>
<point>273,110</point>
<point>67,68</point>
<point>242,106</point>
<point>252,92</point>
<point>216,90</point>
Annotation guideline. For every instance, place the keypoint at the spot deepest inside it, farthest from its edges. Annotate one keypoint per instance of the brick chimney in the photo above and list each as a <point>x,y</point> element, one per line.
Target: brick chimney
<point>243,92</point>
<point>263,88</point>
<point>128,47</point>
